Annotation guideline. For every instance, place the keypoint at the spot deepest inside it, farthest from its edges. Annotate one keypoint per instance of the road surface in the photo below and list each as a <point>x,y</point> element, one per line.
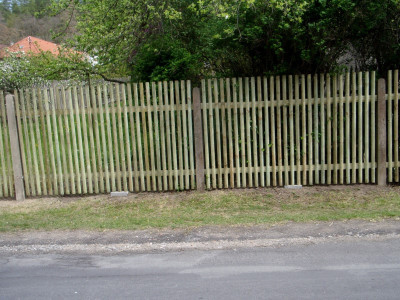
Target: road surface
<point>337,268</point>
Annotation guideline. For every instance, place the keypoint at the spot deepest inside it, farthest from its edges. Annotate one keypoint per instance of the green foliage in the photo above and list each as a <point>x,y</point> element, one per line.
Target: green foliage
<point>175,39</point>
<point>20,71</point>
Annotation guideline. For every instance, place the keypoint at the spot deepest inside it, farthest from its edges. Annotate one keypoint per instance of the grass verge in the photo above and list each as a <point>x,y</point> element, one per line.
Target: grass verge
<point>190,209</point>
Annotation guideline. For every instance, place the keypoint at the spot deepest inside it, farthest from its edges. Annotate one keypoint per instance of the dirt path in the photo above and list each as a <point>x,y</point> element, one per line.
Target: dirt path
<point>112,242</point>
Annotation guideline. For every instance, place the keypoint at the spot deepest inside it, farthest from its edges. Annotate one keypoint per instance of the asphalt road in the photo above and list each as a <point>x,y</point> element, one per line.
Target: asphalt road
<point>335,269</point>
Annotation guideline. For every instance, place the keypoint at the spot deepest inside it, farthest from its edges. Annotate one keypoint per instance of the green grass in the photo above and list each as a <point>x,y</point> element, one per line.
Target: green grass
<point>172,210</point>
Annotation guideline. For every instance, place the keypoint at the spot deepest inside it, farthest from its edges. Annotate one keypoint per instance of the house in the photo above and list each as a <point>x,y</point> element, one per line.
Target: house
<point>30,46</point>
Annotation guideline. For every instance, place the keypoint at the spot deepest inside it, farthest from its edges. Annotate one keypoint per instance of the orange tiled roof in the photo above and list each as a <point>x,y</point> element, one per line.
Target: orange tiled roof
<point>32,45</point>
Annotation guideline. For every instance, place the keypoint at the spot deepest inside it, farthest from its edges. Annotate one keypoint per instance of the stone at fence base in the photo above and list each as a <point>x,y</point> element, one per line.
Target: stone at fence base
<point>119,194</point>
<point>293,186</point>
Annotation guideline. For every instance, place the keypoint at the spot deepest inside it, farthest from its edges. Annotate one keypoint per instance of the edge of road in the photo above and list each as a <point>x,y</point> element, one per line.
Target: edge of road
<point>111,242</point>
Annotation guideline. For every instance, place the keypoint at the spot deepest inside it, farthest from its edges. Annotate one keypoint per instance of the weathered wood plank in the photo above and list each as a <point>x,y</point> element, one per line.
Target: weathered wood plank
<point>185,137</point>
<point>273,128</point>
<point>230,135</point>
<point>298,136</point>
<point>267,132</point>
<point>224,134</point>
<point>254,131</point>
<point>236,132</point>
<point>360,129</point>
<point>261,147</point>
<point>322,91</point>
<point>279,128</point>
<point>316,131</point>
<point>150,119</point>
<point>285,133</point>
<point>373,131</point>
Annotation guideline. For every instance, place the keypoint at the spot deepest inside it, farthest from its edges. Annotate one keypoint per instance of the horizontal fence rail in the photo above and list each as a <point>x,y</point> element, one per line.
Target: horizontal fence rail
<point>236,133</point>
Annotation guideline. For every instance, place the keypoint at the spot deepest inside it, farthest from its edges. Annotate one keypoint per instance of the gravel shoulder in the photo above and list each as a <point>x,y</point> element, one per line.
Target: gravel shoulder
<point>204,238</point>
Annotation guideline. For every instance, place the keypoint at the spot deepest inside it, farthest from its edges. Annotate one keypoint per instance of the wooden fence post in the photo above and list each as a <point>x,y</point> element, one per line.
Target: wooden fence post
<point>15,149</point>
<point>198,140</point>
<point>381,131</point>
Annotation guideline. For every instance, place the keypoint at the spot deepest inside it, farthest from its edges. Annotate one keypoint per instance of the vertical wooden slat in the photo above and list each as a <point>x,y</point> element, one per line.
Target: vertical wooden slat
<point>316,130</point>
<point>157,135</point>
<point>230,134</point>
<point>396,125</point>
<point>354,128</point>
<point>373,131</point>
<point>236,132</point>
<point>118,138</point>
<point>145,138</point>
<point>75,174</point>
<point>205,133</point>
<point>304,128</point>
<point>3,152</point>
<point>341,131</point>
<point>57,142</point>
<point>390,125</point>
<point>179,133</point>
<point>298,137</point>
<point>107,100</point>
<point>310,131</point>
<point>291,132</point>
<point>163,138</point>
<point>223,136</point>
<point>186,168</point>
<point>267,132</point>
<point>31,130</point>
<point>58,138</point>
<point>218,108</point>
<point>254,131</point>
<point>15,149</point>
<point>348,132</point>
<point>248,132</point>
<point>168,137</point>
<point>81,151</point>
<point>127,138</point>
<point>285,132</point>
<point>48,188</point>
<point>90,107</point>
<point>366,129</point>
<point>360,129</point>
<point>261,147</point>
<point>173,130</point>
<point>23,143</point>
<point>85,110</point>
<point>39,142</point>
<point>279,128</point>
<point>211,135</point>
<point>68,142</point>
<point>242,134</point>
<point>51,143</point>
<point>382,136</point>
<point>98,160</point>
<point>191,137</point>
<point>139,135</point>
<point>198,139</point>
<point>132,109</point>
<point>323,131</point>
<point>273,128</point>
<point>335,131</point>
<point>329,128</point>
<point>102,96</point>
<point>150,119</point>
<point>28,169</point>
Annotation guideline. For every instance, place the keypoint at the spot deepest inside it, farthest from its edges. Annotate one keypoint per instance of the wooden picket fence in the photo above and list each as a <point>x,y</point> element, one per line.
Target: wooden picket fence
<point>238,132</point>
